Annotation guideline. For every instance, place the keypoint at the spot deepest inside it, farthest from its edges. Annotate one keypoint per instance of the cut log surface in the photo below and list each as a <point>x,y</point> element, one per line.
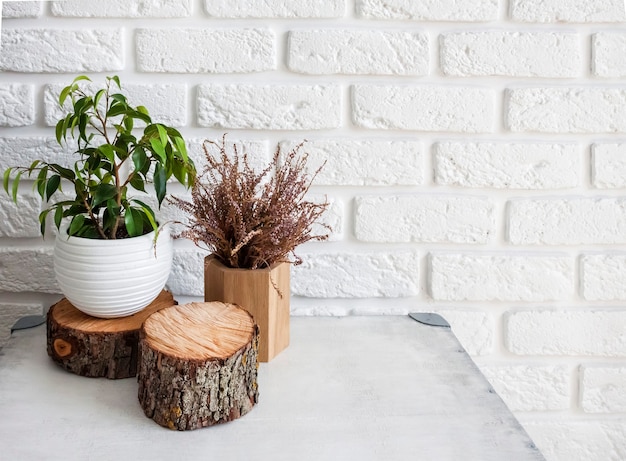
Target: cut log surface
<point>95,347</point>
<point>198,365</point>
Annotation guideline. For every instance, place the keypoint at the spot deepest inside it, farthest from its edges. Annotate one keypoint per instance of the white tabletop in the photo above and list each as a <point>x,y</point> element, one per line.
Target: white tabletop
<point>347,388</point>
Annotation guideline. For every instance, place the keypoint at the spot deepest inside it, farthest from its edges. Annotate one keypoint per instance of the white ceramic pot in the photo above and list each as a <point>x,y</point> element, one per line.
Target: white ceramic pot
<point>112,278</point>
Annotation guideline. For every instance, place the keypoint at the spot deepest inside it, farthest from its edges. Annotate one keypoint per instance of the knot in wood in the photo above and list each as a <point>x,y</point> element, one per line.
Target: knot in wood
<point>62,348</point>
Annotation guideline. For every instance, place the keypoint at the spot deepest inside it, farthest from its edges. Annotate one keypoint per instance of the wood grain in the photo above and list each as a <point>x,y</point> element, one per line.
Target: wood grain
<point>95,347</point>
<point>198,365</point>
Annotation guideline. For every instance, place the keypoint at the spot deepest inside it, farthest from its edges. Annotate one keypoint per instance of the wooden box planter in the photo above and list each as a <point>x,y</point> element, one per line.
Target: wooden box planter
<point>264,293</point>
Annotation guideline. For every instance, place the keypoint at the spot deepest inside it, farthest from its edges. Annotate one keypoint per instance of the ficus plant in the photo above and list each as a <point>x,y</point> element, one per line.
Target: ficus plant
<point>113,160</point>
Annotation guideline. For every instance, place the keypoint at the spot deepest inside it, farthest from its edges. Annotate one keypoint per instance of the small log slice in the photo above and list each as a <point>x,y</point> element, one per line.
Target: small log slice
<point>95,347</point>
<point>198,365</point>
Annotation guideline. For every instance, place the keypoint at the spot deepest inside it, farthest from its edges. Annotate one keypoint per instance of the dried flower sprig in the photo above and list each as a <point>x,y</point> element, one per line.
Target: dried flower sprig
<point>250,219</point>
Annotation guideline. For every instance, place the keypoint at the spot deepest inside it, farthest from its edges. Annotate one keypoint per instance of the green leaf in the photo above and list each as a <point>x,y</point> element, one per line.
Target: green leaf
<point>140,116</point>
<point>52,186</point>
<point>120,98</point>
<point>133,219</point>
<point>128,123</point>
<point>148,213</point>
<point>64,94</point>
<point>76,224</point>
<point>16,183</point>
<point>82,126</point>
<point>158,149</point>
<point>42,220</point>
<point>97,97</point>
<point>162,134</point>
<point>160,182</point>
<point>137,183</point>
<point>117,109</point>
<point>5,179</point>
<point>59,130</point>
<point>182,149</point>
<point>40,182</point>
<point>108,151</point>
<point>103,192</point>
<point>58,216</point>
<point>140,160</point>
<point>65,173</point>
<point>116,79</point>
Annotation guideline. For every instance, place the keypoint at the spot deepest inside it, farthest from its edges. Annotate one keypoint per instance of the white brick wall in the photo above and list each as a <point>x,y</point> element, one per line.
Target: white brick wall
<point>429,10</point>
<point>507,165</point>
<point>474,164</point>
<point>17,105</point>
<point>122,8</point>
<point>214,51</point>
<point>571,221</point>
<point>486,277</point>
<point>423,108</point>
<point>567,10</point>
<point>603,389</point>
<point>511,53</point>
<point>276,107</point>
<point>329,51</point>
<point>566,110</point>
<point>92,50</point>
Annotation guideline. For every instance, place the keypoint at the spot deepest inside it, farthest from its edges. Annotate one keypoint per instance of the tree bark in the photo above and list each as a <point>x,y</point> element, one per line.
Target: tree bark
<point>95,347</point>
<point>198,365</point>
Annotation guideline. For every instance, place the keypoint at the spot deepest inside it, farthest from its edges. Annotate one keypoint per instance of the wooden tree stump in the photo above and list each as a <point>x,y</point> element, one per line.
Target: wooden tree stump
<point>95,347</point>
<point>198,365</point>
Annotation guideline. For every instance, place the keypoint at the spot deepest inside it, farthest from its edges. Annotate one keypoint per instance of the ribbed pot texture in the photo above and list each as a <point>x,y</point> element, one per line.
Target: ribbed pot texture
<point>112,278</point>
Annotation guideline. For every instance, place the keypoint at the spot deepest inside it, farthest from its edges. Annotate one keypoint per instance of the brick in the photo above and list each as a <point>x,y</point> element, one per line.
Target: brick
<point>603,277</point>
<point>27,269</point>
<point>566,332</point>
<point>531,387</point>
<point>19,222</point>
<point>24,9</point>
<point>167,103</point>
<point>474,329</point>
<point>24,150</point>
<point>122,8</point>
<point>269,107</point>
<point>503,165</point>
<point>608,50</point>
<point>349,162</point>
<point>426,218</point>
<point>10,313</point>
<point>424,108</point>
<point>603,389</point>
<point>356,275</point>
<point>205,50</point>
<point>567,11</point>
<point>566,110</point>
<point>506,277</point>
<point>514,54</point>
<point>576,440</point>
<point>275,9</point>
<point>187,276</point>
<point>92,50</point>
<point>344,51</point>
<point>17,105</point>
<point>429,10</point>
<point>567,221</point>
<point>609,165</point>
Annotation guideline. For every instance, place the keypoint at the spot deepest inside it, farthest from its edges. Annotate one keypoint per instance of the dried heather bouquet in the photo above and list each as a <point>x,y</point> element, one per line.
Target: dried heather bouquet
<point>249,219</point>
